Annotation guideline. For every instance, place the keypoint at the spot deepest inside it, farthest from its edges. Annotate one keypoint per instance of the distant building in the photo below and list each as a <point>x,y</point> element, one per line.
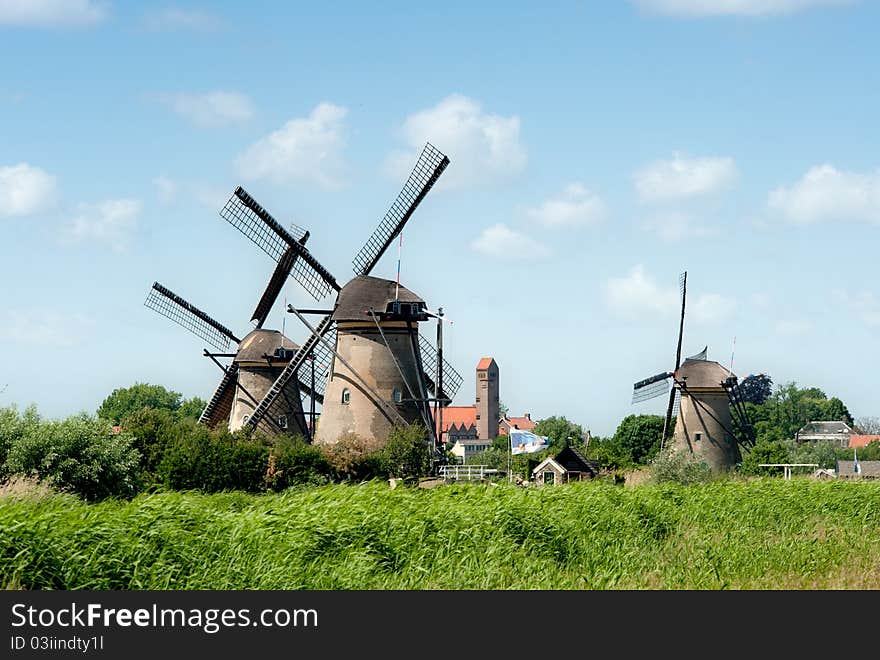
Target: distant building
<point>867,470</point>
<point>523,423</point>
<point>856,441</point>
<point>469,430</point>
<point>838,432</point>
<point>568,465</point>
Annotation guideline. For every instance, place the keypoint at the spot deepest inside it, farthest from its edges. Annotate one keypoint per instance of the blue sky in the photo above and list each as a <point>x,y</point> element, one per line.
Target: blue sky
<point>597,150</point>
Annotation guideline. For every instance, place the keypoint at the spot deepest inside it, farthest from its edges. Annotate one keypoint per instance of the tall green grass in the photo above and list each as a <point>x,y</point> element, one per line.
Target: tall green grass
<point>761,534</point>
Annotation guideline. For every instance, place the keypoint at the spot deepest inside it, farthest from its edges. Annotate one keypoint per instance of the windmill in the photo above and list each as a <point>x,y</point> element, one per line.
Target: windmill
<point>257,362</point>
<point>376,370</point>
<point>711,420</point>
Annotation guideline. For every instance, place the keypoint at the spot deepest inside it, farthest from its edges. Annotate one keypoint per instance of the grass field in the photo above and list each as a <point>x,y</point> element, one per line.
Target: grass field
<point>761,534</point>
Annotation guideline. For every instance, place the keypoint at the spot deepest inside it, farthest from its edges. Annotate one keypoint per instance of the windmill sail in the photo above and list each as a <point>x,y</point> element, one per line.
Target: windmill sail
<point>172,306</point>
<point>682,286</point>
<point>252,220</point>
<point>651,388</point>
<point>276,283</point>
<point>220,405</point>
<point>451,378</point>
<point>428,169</point>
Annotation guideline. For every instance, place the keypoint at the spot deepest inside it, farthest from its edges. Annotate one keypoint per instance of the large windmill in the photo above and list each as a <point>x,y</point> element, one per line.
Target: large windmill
<point>375,370</point>
<point>711,420</point>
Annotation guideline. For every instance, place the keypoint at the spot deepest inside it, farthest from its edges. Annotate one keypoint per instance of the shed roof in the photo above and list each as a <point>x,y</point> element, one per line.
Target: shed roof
<point>365,292</point>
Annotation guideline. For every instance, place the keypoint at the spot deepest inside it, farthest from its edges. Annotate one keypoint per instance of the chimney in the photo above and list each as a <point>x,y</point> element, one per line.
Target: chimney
<point>528,416</point>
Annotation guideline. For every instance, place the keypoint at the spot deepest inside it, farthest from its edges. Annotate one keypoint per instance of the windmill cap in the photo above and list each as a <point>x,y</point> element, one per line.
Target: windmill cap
<point>702,374</point>
<point>261,342</point>
<point>364,292</point>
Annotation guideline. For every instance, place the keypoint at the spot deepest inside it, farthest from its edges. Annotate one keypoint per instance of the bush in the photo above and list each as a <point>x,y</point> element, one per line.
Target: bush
<point>354,458</point>
<point>213,461</point>
<point>12,427</point>
<point>679,467</point>
<point>406,453</point>
<point>81,455</point>
<point>293,462</point>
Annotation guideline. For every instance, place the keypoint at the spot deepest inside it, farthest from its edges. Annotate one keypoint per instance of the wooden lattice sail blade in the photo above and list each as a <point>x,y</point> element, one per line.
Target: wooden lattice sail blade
<point>428,169</point>
<point>451,378</point>
<point>651,388</point>
<point>323,362</point>
<point>220,405</point>
<point>252,220</point>
<point>169,304</point>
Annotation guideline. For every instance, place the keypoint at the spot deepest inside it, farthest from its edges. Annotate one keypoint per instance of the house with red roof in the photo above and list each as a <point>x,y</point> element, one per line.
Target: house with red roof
<point>856,441</point>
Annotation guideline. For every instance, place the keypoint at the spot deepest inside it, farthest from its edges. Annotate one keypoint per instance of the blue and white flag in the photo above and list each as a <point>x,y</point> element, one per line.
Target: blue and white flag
<point>523,442</point>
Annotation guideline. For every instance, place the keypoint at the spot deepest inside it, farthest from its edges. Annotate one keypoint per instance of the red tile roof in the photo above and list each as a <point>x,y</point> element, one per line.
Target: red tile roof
<point>862,440</point>
<point>521,423</point>
<point>458,415</point>
<point>484,363</point>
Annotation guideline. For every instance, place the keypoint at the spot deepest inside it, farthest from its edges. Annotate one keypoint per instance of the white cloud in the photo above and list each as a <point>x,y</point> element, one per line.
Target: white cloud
<point>51,13</point>
<point>25,190</point>
<point>173,18</point>
<point>733,7</point>
<point>637,295</point>
<point>44,328</point>
<point>483,148</point>
<point>574,207</point>
<point>825,193</point>
<point>683,177</point>
<point>674,226</point>
<point>111,222</point>
<point>501,241</point>
<point>212,109</point>
<point>306,149</point>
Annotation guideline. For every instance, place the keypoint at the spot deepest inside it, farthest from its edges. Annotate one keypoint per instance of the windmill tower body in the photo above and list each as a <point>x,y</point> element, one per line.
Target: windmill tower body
<point>261,357</point>
<point>704,423</point>
<point>377,337</point>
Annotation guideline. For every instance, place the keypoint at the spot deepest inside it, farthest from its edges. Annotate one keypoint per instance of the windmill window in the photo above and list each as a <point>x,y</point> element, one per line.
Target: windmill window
<point>396,395</point>
<point>245,419</point>
<point>346,396</point>
<point>698,437</point>
<point>282,422</point>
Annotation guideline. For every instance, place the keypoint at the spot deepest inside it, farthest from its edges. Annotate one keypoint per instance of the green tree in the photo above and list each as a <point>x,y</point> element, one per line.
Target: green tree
<point>561,433</point>
<point>789,408</point>
<point>125,401</point>
<point>80,454</point>
<point>775,451</point>
<point>756,388</point>
<point>13,426</point>
<point>191,408</point>
<point>638,437</point>
<point>406,453</point>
